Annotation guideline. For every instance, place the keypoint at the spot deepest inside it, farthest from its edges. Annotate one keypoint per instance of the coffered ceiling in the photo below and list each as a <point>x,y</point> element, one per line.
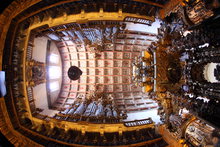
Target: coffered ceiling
<point>108,71</point>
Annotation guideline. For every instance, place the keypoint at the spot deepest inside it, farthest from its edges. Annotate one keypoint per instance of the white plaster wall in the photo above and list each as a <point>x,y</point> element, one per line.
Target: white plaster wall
<point>144,28</point>
<point>144,115</point>
<point>40,96</point>
<point>49,112</point>
<point>39,49</point>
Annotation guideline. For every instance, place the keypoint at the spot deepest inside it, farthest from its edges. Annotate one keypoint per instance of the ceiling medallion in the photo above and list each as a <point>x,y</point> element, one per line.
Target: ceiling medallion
<point>74,73</point>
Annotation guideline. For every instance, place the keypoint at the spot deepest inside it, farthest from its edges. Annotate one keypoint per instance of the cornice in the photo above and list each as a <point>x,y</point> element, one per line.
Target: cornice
<point>6,128</point>
<point>6,17</point>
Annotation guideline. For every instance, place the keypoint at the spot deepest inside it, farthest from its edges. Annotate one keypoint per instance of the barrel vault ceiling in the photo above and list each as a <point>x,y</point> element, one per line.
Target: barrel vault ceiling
<point>108,71</point>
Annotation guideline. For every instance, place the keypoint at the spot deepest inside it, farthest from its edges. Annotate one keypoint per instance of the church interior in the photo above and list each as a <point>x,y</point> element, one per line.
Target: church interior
<point>125,73</point>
